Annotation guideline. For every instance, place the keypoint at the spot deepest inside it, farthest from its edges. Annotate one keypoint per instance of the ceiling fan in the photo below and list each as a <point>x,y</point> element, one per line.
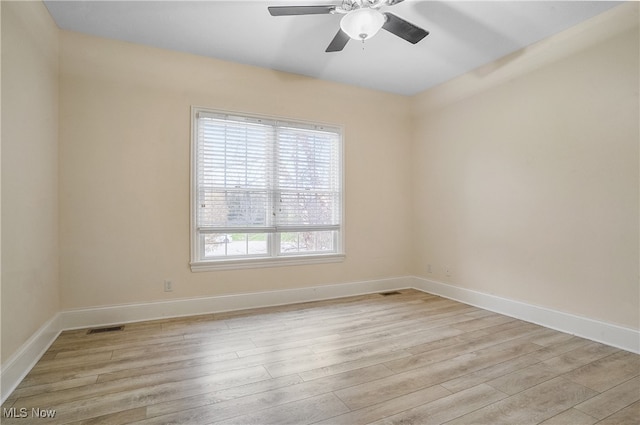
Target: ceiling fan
<point>362,20</point>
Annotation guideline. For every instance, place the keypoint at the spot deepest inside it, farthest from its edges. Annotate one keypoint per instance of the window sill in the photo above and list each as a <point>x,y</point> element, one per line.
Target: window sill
<point>254,263</point>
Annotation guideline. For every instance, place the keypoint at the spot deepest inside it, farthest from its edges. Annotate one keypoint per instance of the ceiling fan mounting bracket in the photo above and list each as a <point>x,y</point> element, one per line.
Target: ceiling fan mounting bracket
<point>351,5</point>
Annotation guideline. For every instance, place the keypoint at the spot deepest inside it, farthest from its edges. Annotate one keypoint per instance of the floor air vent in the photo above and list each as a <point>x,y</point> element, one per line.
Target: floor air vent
<point>386,294</point>
<point>103,330</point>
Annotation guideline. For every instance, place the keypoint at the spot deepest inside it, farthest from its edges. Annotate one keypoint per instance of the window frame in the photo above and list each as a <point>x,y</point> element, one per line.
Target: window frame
<point>273,258</point>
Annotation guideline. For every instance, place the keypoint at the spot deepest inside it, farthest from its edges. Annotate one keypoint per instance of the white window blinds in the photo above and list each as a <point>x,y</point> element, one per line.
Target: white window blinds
<point>266,176</point>
<point>308,183</point>
<point>234,174</point>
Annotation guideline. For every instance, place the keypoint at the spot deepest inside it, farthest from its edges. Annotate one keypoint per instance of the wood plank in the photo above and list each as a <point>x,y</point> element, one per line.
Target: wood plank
<point>607,372</point>
<point>49,364</point>
<point>78,350</point>
<point>218,396</point>
<point>432,356</point>
<point>505,331</point>
<point>231,407</point>
<point>446,408</point>
<point>126,383</point>
<point>531,406</point>
<point>352,365</point>
<point>27,391</point>
<point>561,347</point>
<point>367,394</point>
<point>627,416</point>
<point>612,400</point>
<point>522,379</point>
<point>300,412</point>
<point>123,366</point>
<point>314,361</point>
<point>212,362</point>
<point>141,397</point>
<point>117,418</point>
<point>570,417</point>
<point>579,357</point>
<point>490,372</point>
<point>388,408</point>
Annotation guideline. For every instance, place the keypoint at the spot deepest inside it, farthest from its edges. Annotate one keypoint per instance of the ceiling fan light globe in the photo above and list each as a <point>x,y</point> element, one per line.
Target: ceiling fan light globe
<point>362,24</point>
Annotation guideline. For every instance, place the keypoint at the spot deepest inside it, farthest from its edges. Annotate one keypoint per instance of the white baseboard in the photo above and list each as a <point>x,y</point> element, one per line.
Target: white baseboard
<point>17,367</point>
<point>125,313</point>
<point>21,362</point>
<point>606,333</point>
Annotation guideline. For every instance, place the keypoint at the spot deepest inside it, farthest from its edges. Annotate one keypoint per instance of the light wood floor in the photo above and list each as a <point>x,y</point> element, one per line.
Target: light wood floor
<point>410,358</point>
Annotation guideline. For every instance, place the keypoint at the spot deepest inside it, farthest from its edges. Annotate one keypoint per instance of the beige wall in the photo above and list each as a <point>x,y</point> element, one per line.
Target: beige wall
<point>529,189</point>
<point>30,291</point>
<point>124,171</point>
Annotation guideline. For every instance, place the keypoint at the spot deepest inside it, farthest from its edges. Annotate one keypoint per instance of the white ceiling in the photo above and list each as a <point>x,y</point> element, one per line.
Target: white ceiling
<point>463,35</point>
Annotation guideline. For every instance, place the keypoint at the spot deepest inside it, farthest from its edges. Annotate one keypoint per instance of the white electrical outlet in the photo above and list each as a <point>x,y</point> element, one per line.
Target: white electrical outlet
<point>168,286</point>
<point>429,268</point>
<point>447,270</point>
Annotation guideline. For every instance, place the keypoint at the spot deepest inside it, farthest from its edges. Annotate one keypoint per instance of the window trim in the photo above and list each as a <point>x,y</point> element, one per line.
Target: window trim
<point>199,265</point>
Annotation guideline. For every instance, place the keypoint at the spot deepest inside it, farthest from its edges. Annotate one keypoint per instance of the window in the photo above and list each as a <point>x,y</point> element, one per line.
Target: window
<point>264,191</point>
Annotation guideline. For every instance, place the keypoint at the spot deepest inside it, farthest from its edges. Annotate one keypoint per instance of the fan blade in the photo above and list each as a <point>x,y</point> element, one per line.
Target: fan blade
<point>338,42</point>
<point>300,10</point>
<point>404,29</point>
